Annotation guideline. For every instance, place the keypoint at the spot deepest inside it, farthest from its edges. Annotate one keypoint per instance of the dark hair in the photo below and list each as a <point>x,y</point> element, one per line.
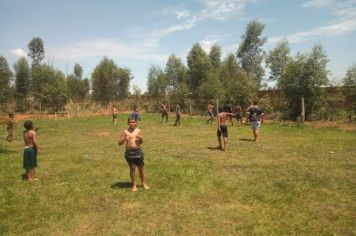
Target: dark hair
<point>255,102</point>
<point>28,125</point>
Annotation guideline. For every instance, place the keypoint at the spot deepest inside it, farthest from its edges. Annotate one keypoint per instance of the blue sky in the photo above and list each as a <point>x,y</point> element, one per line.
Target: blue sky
<point>138,34</point>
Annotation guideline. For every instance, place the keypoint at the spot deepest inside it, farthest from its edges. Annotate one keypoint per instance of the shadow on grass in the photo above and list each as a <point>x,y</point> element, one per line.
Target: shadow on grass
<point>121,185</point>
<point>246,139</point>
<point>214,148</point>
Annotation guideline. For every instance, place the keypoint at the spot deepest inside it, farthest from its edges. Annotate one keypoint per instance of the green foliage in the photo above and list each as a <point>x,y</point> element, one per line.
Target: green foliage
<point>157,83</point>
<point>198,67</point>
<point>5,79</point>
<point>304,76</point>
<point>36,51</point>
<point>175,72</point>
<point>212,89</point>
<point>180,95</point>
<point>22,83</point>
<point>124,77</point>
<point>215,57</point>
<point>49,86</point>
<point>349,83</point>
<point>109,82</point>
<point>277,60</point>
<point>250,52</point>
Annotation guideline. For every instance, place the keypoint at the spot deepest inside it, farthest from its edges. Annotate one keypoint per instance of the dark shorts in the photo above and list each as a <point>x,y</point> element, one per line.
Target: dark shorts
<point>223,131</point>
<point>29,158</point>
<point>210,113</point>
<point>134,157</point>
<point>114,116</point>
<point>164,113</point>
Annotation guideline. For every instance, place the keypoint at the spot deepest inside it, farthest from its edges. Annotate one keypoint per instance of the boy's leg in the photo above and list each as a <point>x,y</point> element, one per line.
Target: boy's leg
<point>133,177</point>
<point>27,174</point>
<point>219,139</point>
<point>225,143</point>
<point>33,175</point>
<point>141,171</point>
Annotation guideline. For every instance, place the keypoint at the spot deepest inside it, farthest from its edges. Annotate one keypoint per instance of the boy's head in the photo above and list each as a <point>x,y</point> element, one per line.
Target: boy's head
<point>132,122</point>
<point>11,114</point>
<point>28,125</point>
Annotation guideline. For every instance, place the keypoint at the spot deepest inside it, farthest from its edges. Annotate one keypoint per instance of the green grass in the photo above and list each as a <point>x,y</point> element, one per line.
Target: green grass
<point>297,181</point>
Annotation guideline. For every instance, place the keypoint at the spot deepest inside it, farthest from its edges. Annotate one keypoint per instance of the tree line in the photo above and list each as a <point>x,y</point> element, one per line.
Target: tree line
<point>236,78</point>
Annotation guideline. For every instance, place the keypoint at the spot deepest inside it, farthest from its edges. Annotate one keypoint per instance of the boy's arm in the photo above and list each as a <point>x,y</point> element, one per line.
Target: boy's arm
<point>139,137</point>
<point>122,138</point>
<point>34,142</point>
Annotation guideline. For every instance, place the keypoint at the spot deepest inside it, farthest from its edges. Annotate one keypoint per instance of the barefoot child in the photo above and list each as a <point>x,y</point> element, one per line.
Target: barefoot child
<point>223,117</point>
<point>10,127</point>
<point>133,153</point>
<point>30,151</point>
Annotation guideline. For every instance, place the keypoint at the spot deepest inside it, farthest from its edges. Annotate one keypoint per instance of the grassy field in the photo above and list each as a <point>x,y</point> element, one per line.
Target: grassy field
<point>298,180</point>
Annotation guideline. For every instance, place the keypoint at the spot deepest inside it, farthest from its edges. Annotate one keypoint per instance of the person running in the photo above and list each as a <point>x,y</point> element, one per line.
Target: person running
<point>210,113</point>
<point>10,123</point>
<point>255,116</point>
<point>30,151</point>
<point>163,110</point>
<point>178,112</point>
<point>223,117</point>
<point>133,153</point>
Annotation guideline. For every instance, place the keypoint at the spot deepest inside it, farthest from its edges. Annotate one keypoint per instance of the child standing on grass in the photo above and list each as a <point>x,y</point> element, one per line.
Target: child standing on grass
<point>223,117</point>
<point>30,152</point>
<point>10,123</point>
<point>133,153</point>
<point>114,115</point>
<point>255,116</point>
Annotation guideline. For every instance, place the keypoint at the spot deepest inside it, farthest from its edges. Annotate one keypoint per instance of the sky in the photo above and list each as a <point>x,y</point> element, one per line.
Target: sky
<point>137,34</point>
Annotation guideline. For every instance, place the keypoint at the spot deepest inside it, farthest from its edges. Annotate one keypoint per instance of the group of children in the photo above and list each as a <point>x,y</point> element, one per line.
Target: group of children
<point>133,137</point>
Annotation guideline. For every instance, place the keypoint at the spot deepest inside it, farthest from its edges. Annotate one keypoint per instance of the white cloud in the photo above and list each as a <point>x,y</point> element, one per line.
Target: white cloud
<point>182,14</point>
<point>19,52</point>
<point>107,47</point>
<point>345,22</point>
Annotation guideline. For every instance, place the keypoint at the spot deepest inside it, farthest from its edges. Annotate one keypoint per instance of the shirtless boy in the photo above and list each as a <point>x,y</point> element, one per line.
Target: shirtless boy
<point>133,153</point>
<point>30,151</point>
<point>223,117</point>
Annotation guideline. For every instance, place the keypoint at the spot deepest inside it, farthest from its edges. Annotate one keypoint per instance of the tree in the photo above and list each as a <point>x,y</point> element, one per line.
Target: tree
<point>215,57</point>
<point>78,71</point>
<point>212,89</point>
<point>5,79</point>
<point>78,88</point>
<point>250,52</point>
<point>22,82</point>
<point>277,60</point>
<point>49,87</point>
<point>175,72</point>
<point>237,84</point>
<point>349,84</point>
<point>157,82</point>
<point>198,67</point>
<point>36,51</point>
<point>104,81</point>
<point>303,78</point>
<point>124,77</point>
